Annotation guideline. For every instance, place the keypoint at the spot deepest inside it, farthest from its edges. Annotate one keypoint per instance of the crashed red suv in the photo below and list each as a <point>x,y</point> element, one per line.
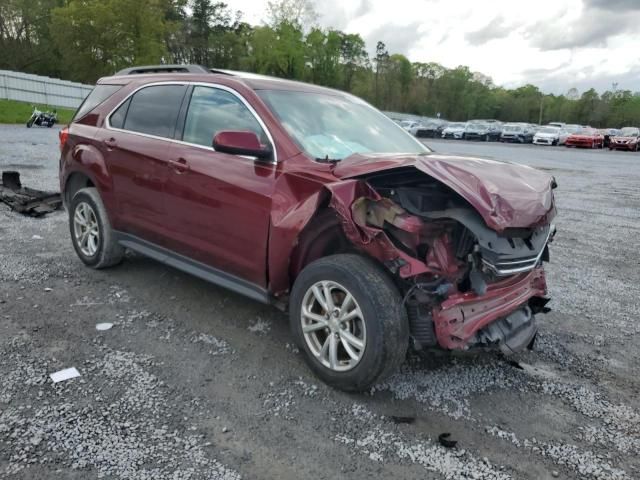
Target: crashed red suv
<point>312,200</point>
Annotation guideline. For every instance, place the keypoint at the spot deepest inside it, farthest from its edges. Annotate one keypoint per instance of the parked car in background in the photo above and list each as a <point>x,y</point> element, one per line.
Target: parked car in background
<point>556,124</point>
<point>627,139</point>
<point>550,136</point>
<point>586,138</point>
<point>454,130</point>
<point>409,124</point>
<point>573,128</point>
<point>517,132</point>
<point>428,130</point>
<point>487,132</point>
<point>608,133</point>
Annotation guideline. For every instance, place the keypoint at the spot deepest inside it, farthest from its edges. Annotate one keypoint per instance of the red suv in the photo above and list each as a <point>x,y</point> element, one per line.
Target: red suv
<point>312,200</point>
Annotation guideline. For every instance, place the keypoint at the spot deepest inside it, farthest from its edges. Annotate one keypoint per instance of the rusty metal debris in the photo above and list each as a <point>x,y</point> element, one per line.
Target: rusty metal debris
<point>27,201</point>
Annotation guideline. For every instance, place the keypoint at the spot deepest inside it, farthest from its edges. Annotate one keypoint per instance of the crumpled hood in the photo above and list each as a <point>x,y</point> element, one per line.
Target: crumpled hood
<point>506,195</point>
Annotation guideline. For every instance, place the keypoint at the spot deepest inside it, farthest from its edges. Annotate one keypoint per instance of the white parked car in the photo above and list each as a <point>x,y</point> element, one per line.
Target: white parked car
<point>454,130</point>
<point>550,136</point>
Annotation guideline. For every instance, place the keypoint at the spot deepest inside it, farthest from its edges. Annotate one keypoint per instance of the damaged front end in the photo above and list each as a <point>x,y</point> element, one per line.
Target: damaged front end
<point>465,285</point>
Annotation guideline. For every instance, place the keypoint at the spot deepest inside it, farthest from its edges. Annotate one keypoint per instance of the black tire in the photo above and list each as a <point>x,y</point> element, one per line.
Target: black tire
<point>109,252</point>
<point>29,124</point>
<point>385,319</point>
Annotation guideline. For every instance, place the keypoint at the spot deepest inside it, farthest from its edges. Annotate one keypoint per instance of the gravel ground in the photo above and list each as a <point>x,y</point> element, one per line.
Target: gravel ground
<point>193,382</point>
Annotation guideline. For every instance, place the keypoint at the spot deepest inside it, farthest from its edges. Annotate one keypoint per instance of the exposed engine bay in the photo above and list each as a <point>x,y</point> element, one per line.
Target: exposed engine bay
<point>479,287</point>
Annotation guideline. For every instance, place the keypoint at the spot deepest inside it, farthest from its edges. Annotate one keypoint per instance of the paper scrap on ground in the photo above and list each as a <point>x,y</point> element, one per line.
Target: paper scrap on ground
<point>65,374</point>
<point>104,326</point>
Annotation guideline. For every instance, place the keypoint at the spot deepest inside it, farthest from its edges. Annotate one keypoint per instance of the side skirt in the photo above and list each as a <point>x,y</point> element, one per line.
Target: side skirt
<point>193,267</point>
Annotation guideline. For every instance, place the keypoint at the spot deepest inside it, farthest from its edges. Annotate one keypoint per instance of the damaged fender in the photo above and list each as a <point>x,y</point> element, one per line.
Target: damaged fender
<point>351,200</point>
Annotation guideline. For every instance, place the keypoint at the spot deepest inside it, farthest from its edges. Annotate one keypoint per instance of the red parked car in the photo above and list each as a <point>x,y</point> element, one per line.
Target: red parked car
<point>629,139</point>
<point>587,138</point>
<point>312,200</point>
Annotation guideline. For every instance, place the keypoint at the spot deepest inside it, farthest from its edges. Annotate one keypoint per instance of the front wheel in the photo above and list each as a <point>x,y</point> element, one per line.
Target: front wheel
<point>30,124</point>
<point>347,316</point>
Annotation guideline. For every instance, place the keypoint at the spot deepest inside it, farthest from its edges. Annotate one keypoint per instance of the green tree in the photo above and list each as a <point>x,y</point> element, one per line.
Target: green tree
<point>25,38</point>
<point>98,37</point>
<point>299,13</point>
<point>353,57</point>
<point>381,62</point>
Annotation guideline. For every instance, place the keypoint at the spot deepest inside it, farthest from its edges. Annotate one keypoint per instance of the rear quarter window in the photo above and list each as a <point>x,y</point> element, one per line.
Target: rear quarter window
<point>95,98</point>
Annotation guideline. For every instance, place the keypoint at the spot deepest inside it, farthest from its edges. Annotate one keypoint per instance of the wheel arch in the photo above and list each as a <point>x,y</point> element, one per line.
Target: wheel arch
<point>321,237</point>
<point>76,181</point>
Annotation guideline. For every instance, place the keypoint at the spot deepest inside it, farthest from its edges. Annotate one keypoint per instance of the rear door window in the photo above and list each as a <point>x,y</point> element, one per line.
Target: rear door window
<point>95,98</point>
<point>212,110</point>
<point>153,110</point>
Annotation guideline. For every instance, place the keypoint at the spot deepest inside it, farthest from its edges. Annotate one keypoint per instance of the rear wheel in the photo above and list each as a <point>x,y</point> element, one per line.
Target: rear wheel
<point>347,316</point>
<point>91,232</point>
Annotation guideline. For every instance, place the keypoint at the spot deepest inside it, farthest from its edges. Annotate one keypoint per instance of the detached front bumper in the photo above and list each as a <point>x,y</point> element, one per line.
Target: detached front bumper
<point>461,316</point>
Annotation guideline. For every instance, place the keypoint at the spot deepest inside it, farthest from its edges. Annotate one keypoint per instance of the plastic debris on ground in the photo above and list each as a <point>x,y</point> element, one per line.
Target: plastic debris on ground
<point>66,374</point>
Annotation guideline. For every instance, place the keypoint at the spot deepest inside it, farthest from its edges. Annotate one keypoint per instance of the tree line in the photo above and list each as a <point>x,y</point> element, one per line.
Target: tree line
<point>83,40</point>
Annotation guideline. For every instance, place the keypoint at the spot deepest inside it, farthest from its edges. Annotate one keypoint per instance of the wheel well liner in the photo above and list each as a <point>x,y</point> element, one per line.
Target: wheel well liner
<point>75,182</point>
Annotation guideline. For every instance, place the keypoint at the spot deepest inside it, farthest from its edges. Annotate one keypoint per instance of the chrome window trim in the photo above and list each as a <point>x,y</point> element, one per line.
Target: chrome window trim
<point>108,126</point>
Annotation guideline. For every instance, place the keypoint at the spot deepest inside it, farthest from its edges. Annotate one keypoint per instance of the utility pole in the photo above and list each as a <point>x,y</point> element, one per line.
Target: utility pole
<point>541,103</point>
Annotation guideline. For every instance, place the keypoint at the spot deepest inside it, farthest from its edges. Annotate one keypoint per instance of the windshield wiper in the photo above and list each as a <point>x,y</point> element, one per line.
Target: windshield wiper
<point>326,159</point>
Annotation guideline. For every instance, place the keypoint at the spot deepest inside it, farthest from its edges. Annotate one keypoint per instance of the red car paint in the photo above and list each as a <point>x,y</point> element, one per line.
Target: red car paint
<point>254,219</point>
<point>461,315</point>
<point>588,138</point>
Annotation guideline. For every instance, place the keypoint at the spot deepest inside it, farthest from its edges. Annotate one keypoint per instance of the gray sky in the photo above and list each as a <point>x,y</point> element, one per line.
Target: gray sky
<point>555,44</point>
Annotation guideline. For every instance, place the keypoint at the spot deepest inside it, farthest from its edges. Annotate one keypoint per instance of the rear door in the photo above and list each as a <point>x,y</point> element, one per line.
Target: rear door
<point>137,144</point>
<point>218,204</point>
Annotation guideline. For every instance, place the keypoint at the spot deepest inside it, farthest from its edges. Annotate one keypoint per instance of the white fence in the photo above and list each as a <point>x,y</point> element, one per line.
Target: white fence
<point>25,87</point>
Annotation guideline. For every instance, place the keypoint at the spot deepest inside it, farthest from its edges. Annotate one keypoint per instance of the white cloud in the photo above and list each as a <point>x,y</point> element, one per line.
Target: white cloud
<point>556,44</point>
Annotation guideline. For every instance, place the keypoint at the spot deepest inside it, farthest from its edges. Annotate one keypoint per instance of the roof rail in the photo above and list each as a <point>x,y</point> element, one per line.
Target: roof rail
<point>166,69</point>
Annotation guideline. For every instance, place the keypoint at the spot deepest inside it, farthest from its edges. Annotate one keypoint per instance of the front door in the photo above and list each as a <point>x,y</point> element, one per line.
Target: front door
<point>218,205</point>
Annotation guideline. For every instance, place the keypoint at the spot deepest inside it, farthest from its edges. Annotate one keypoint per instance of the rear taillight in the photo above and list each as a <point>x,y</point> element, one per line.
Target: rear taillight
<point>64,134</point>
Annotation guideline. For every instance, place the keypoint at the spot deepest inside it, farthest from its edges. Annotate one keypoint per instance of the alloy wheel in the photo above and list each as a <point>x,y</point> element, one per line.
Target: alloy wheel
<point>85,229</point>
<point>333,326</point>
